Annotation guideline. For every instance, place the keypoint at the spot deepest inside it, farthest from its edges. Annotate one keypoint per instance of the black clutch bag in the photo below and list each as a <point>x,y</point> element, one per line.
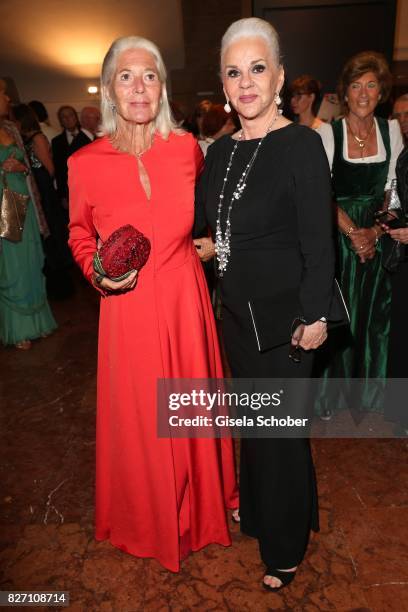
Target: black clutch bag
<point>273,317</point>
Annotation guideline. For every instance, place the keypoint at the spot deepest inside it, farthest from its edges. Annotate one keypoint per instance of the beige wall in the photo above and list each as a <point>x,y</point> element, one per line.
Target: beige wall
<point>401,32</point>
<point>53,48</point>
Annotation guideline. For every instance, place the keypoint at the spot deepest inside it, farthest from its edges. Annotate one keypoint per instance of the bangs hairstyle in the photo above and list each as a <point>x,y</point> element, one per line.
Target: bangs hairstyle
<point>164,121</point>
<point>252,27</point>
<point>308,85</point>
<point>366,61</point>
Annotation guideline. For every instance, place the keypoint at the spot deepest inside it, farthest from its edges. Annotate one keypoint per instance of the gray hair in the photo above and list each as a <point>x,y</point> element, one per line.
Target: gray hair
<point>252,27</point>
<point>164,121</point>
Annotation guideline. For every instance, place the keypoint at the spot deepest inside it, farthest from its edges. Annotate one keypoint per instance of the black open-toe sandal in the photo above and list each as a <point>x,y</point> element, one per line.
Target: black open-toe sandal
<point>285,578</point>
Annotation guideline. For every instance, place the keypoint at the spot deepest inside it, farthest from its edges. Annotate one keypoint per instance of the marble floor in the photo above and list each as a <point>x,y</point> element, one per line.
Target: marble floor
<point>358,562</point>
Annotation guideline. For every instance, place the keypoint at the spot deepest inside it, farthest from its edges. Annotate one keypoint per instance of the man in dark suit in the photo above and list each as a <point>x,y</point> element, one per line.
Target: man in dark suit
<point>61,144</point>
<point>90,121</point>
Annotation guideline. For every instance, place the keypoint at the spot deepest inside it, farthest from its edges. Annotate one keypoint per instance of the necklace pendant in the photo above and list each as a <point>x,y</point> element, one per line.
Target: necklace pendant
<point>222,239</point>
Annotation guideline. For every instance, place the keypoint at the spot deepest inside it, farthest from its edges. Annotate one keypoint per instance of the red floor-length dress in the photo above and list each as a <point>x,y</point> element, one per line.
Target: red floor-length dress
<point>165,497</point>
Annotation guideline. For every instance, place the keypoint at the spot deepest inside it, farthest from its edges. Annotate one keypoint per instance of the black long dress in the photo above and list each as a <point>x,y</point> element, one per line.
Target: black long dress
<point>396,409</point>
<point>281,239</point>
<point>58,257</point>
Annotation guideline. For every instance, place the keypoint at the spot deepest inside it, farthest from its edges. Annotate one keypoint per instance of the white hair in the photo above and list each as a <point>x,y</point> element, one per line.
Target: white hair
<point>252,27</point>
<point>402,98</point>
<point>164,121</point>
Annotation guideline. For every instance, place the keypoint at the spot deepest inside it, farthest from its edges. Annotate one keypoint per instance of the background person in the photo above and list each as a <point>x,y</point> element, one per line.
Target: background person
<point>196,120</point>
<point>90,121</point>
<point>366,148</point>
<point>306,96</point>
<point>57,255</point>
<point>88,131</point>
<point>61,149</point>
<point>24,311</point>
<point>216,123</point>
<point>400,112</point>
<point>396,408</point>
<point>42,117</point>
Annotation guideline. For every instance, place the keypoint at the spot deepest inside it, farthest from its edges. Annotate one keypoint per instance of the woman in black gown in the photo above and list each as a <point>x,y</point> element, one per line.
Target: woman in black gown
<point>57,255</point>
<point>397,367</point>
<point>280,242</point>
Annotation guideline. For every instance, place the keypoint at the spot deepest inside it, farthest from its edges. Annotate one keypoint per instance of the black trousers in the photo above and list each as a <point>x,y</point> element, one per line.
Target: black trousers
<point>278,494</point>
<point>395,404</point>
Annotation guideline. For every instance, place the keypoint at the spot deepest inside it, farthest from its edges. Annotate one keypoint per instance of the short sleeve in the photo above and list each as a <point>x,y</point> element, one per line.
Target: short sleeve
<point>325,132</point>
<point>396,144</point>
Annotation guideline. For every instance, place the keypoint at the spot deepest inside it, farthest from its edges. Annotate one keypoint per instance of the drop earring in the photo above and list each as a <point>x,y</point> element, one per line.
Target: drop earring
<point>278,100</point>
<point>112,107</point>
<point>227,106</point>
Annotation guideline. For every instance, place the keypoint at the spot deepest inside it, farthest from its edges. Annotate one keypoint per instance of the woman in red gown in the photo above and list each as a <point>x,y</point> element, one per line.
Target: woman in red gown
<point>155,497</point>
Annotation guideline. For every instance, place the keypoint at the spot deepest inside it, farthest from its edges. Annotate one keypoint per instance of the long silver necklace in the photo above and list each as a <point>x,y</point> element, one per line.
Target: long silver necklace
<point>222,240</point>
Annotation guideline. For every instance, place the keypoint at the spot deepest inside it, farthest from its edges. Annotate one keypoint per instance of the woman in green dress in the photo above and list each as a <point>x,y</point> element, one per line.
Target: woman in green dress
<point>363,154</point>
<point>24,310</point>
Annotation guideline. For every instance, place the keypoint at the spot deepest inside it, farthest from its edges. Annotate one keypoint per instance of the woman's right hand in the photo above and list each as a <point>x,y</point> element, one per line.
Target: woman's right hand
<point>115,287</point>
<point>310,336</point>
<point>205,248</point>
<point>400,234</point>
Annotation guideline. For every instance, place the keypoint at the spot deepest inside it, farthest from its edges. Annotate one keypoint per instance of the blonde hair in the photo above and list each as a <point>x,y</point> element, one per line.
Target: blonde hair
<point>164,121</point>
<point>252,27</point>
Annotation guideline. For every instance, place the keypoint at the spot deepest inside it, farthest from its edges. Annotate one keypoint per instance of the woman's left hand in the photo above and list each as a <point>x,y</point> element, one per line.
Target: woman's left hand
<point>400,234</point>
<point>363,241</point>
<point>11,164</point>
<point>205,248</point>
<point>311,336</point>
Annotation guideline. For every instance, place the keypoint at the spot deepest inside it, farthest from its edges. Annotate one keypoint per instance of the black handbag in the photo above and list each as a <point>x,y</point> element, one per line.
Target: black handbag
<point>274,317</point>
<point>393,254</point>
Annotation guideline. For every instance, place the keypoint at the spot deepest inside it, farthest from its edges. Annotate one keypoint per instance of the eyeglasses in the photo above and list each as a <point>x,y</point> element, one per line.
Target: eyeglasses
<point>299,94</point>
<point>294,353</point>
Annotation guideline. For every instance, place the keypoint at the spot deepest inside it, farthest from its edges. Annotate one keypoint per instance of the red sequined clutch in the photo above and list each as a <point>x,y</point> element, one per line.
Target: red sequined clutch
<point>124,251</point>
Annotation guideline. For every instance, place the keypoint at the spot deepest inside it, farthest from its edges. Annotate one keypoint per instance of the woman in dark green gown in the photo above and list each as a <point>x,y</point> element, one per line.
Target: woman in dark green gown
<point>363,159</point>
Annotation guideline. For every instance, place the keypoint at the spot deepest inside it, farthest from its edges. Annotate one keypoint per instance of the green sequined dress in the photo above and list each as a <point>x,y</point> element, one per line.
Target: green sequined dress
<point>24,310</point>
<point>360,352</point>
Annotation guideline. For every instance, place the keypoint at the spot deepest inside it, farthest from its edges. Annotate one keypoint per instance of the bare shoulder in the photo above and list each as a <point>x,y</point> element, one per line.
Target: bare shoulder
<point>40,139</point>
